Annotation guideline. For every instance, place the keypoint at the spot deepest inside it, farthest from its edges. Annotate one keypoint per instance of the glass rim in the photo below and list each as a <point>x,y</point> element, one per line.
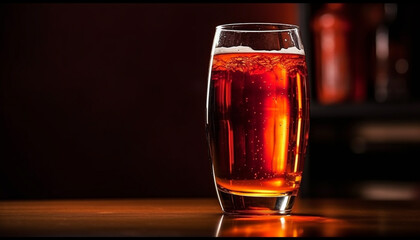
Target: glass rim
<point>257,27</point>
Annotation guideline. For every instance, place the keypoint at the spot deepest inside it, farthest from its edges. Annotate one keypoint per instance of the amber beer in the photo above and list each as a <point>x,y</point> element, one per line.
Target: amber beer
<point>258,120</point>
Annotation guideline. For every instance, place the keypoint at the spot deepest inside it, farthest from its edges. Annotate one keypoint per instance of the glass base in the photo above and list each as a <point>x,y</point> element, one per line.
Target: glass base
<point>237,204</point>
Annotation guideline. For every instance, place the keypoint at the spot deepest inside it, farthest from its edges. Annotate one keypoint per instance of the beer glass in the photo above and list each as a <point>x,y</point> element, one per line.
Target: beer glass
<point>257,116</point>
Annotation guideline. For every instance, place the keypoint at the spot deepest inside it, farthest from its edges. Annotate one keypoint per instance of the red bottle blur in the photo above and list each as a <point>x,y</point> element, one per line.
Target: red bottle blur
<point>258,122</point>
<point>332,53</point>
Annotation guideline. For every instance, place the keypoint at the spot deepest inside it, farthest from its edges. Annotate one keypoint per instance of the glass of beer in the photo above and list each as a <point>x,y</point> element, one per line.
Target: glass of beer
<point>257,116</point>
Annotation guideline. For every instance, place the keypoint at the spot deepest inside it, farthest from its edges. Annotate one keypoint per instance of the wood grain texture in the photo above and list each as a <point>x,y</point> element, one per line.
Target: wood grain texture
<point>203,217</point>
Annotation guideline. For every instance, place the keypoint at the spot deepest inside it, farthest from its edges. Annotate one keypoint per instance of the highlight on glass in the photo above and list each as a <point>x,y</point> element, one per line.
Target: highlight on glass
<point>257,116</point>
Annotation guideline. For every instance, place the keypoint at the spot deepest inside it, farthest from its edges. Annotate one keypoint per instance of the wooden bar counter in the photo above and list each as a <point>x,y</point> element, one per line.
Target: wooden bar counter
<point>203,217</point>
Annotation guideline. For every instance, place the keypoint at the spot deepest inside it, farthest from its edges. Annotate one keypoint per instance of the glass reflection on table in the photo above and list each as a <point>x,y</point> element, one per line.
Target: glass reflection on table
<point>273,226</point>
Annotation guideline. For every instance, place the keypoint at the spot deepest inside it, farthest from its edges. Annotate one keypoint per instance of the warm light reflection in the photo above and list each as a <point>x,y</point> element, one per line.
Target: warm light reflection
<point>299,98</point>
<point>277,122</point>
<point>263,187</point>
<point>231,154</point>
<point>227,88</point>
<point>270,226</point>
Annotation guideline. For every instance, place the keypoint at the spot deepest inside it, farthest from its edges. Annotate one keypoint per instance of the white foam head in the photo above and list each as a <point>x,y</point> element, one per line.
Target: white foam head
<point>245,49</point>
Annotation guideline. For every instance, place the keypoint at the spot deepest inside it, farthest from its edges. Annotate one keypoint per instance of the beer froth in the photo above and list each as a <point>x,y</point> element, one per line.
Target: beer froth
<point>246,49</point>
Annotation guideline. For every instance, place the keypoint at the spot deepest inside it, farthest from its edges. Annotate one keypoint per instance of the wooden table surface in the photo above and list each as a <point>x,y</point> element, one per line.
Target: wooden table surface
<point>203,217</point>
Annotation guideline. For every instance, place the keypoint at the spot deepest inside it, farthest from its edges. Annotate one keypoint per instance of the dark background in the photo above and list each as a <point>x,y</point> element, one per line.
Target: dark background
<point>108,100</point>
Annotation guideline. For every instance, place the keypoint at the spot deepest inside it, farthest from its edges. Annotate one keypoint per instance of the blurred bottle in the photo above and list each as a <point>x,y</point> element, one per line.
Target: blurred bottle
<point>391,58</point>
<point>331,28</point>
<point>362,20</point>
